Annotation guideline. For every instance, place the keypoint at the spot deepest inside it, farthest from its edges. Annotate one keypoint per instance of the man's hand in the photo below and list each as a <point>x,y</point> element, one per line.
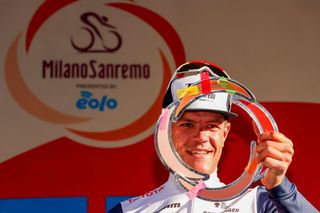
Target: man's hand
<point>275,151</point>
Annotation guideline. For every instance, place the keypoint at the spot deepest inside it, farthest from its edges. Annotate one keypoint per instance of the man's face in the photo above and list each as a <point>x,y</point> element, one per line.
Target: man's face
<point>198,137</point>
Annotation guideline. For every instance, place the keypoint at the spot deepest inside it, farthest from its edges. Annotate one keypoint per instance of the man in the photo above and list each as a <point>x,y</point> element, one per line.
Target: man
<point>198,137</point>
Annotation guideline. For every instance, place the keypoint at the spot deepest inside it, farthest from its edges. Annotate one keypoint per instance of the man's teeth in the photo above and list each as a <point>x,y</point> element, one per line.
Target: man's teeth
<point>199,152</point>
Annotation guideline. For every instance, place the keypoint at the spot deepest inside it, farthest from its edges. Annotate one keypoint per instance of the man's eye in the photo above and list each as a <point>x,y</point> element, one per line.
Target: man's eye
<point>189,125</point>
<point>212,126</point>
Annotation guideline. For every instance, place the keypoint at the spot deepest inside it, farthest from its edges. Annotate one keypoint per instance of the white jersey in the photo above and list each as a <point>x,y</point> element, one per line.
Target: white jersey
<point>172,197</point>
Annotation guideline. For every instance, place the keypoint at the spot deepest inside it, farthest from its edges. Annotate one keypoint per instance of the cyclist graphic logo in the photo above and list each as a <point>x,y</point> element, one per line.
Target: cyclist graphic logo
<point>94,33</point>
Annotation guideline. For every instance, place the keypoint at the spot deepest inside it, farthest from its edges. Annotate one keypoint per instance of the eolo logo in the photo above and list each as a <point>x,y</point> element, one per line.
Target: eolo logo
<point>97,70</point>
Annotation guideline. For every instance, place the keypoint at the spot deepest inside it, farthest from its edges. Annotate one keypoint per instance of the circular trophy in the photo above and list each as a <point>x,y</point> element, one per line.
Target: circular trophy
<point>188,177</point>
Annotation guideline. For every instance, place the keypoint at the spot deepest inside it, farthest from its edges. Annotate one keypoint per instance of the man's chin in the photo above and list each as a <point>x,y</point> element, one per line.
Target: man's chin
<point>203,169</point>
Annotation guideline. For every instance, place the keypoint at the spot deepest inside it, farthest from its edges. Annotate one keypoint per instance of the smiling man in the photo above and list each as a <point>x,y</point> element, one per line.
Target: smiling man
<point>198,138</point>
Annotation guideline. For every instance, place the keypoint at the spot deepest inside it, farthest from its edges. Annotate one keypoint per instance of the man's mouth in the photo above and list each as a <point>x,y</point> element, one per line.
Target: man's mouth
<point>200,153</point>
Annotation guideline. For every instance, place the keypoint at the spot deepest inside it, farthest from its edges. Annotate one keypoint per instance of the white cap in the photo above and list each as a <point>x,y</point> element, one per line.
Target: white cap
<point>218,102</point>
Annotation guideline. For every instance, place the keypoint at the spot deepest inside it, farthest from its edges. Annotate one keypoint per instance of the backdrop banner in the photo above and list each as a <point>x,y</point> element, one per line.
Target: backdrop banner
<point>82,84</point>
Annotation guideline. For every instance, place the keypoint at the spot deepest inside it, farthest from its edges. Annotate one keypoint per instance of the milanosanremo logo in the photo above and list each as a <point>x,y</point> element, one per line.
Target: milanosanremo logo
<point>97,69</point>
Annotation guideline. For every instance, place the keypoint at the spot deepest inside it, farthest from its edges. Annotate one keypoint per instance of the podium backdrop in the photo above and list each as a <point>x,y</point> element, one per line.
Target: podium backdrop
<point>82,84</point>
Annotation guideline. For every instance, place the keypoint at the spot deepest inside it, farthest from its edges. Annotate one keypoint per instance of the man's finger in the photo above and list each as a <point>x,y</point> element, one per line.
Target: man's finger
<point>274,136</point>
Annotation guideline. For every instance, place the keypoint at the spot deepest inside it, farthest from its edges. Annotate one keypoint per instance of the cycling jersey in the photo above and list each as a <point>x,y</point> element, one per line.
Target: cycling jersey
<point>172,197</point>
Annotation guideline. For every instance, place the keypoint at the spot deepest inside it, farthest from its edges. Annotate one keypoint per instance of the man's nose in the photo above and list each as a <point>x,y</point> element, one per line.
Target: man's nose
<point>202,136</point>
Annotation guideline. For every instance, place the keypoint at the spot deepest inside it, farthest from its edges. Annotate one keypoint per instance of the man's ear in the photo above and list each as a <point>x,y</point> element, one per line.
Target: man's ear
<point>226,129</point>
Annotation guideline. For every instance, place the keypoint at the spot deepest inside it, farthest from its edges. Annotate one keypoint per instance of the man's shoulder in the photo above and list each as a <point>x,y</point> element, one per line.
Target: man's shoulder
<point>154,199</point>
<point>132,203</point>
<point>153,194</point>
<point>136,202</point>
